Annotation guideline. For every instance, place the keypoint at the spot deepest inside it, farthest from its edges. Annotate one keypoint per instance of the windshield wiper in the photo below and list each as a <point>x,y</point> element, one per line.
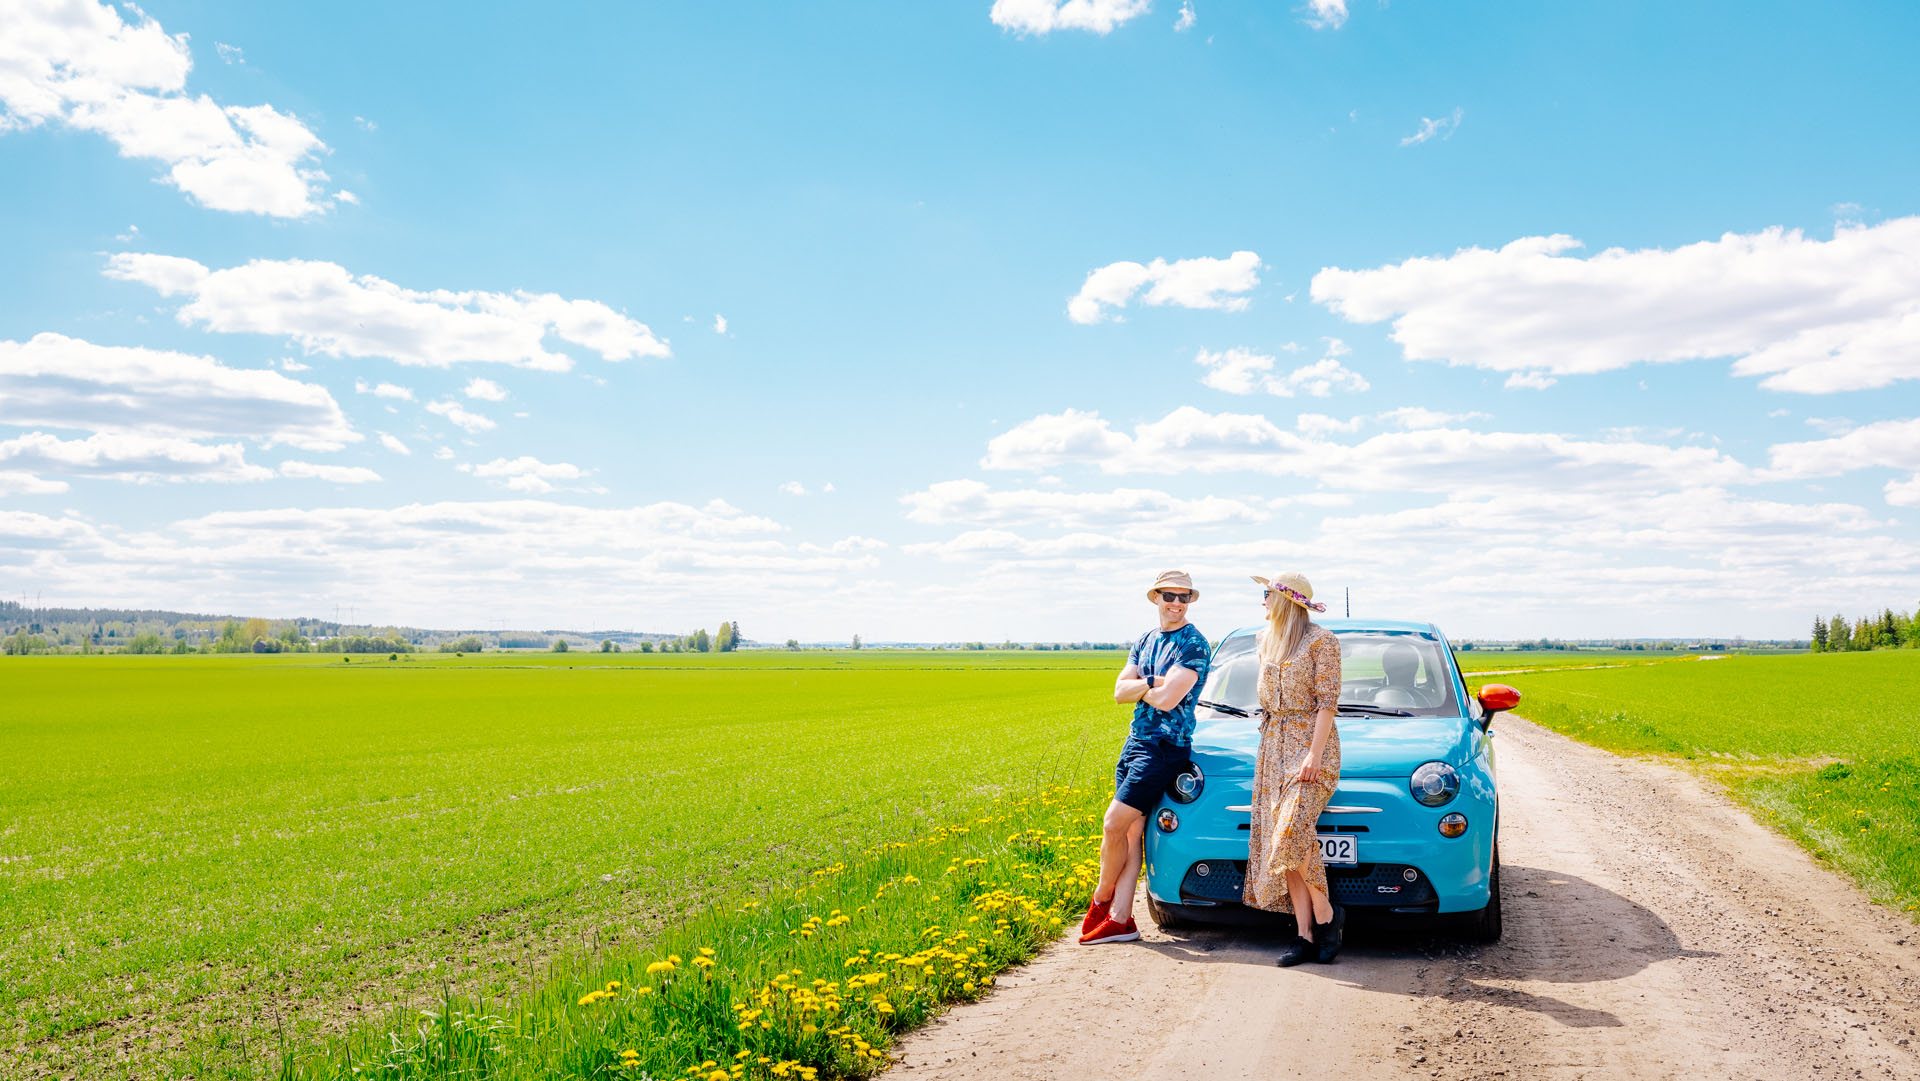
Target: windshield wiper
<point>1224,708</point>
<point>1374,711</point>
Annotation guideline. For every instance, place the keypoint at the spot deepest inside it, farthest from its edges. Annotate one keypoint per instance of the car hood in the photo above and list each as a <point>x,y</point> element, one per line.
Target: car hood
<point>1369,746</point>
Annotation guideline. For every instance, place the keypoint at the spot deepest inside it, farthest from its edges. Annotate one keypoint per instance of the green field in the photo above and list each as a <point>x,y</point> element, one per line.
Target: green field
<point>1527,660</point>
<point>206,859</point>
<point>1825,747</point>
<point>303,865</point>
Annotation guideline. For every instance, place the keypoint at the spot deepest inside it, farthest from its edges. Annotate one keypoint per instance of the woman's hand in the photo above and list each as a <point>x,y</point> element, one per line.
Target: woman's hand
<point>1309,770</point>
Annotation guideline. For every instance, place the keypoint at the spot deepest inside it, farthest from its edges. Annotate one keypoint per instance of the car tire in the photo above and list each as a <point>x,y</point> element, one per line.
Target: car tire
<point>1164,917</point>
<point>1484,925</point>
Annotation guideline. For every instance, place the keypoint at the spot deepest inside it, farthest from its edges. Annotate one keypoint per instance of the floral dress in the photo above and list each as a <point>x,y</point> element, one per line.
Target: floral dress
<point>1286,812</point>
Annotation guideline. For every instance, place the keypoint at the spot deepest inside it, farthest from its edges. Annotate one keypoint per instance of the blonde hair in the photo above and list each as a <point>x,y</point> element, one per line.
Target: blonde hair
<point>1284,630</point>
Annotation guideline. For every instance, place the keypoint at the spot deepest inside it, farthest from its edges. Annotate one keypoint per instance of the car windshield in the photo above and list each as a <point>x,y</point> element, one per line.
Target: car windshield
<point>1384,671</point>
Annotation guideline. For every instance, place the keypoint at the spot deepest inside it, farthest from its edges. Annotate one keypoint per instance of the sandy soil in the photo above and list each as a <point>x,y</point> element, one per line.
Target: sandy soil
<point>1653,930</point>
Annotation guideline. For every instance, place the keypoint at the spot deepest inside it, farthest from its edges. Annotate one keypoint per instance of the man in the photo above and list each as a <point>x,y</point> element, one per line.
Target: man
<point>1162,679</point>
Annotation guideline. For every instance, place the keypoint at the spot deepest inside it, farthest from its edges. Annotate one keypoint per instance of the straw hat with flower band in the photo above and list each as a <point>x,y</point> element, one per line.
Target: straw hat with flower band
<point>1294,587</point>
<point>1176,581</point>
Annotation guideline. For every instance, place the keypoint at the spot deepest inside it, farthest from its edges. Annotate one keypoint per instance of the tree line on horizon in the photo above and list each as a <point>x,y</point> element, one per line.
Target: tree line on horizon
<point>1888,630</point>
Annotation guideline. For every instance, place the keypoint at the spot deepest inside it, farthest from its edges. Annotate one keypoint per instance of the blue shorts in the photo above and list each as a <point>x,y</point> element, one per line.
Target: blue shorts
<point>1147,767</point>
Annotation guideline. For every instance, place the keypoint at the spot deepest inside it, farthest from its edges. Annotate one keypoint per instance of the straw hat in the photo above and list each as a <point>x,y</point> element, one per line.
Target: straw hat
<point>1176,580</point>
<point>1295,586</point>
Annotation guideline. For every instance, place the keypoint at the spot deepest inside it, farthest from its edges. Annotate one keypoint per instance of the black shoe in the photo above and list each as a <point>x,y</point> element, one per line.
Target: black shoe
<point>1328,936</point>
<point>1295,951</point>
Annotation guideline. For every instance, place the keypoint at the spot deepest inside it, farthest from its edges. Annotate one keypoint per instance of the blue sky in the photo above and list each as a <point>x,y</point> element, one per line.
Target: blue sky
<point>1533,320</point>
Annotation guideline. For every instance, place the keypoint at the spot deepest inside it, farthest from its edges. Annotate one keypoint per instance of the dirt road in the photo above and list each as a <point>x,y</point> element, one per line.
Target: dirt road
<point>1653,930</point>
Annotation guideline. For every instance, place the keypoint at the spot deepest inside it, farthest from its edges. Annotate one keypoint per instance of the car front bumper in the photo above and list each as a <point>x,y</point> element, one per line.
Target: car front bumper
<point>1407,867</point>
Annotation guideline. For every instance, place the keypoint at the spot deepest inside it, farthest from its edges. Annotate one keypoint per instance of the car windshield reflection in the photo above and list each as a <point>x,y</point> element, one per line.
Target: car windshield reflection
<point>1386,671</point>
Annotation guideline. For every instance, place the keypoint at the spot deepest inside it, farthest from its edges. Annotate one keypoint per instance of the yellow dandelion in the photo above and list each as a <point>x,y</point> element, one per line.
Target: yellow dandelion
<point>658,967</point>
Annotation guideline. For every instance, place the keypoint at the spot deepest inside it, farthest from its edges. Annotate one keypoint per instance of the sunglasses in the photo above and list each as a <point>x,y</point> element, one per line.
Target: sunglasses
<point>1175,597</point>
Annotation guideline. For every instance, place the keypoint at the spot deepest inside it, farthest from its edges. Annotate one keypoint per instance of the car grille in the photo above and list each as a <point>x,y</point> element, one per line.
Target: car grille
<point>1364,884</point>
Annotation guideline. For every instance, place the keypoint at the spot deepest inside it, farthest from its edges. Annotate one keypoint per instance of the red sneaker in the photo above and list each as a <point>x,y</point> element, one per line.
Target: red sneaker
<point>1109,931</point>
<point>1096,915</point>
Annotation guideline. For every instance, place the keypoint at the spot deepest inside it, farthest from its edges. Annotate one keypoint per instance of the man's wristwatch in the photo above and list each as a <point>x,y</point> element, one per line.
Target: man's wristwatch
<point>1149,683</point>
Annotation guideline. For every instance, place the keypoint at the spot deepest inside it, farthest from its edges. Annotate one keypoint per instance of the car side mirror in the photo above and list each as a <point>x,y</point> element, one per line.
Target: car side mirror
<point>1495,697</point>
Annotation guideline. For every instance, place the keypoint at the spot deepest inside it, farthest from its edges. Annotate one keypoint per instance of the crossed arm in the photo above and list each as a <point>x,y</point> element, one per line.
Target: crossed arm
<point>1164,694</point>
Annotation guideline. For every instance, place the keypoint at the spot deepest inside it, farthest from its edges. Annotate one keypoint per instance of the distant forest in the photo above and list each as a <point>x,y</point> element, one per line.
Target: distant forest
<point>1888,630</point>
<point>28,629</point>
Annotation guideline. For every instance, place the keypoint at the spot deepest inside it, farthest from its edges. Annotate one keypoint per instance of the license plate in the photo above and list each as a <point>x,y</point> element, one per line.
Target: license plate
<point>1338,848</point>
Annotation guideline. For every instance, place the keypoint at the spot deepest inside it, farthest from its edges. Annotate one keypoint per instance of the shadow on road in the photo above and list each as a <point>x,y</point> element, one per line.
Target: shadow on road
<point>1559,929</point>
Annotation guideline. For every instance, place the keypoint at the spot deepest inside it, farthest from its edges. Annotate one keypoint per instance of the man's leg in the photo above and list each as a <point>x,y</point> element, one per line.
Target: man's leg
<point>1130,874</point>
<point>1122,827</point>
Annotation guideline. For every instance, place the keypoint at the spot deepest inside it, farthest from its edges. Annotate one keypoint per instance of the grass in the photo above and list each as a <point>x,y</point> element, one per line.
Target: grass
<point>209,858</point>
<point>1526,660</point>
<point>1823,746</point>
<point>794,984</point>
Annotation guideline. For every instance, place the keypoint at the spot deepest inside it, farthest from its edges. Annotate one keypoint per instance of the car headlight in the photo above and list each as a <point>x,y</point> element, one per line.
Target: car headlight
<point>1187,784</point>
<point>1435,783</point>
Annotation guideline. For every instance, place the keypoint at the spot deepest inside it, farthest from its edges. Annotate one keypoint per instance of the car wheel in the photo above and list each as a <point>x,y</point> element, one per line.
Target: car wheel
<point>1484,925</point>
<point>1165,917</point>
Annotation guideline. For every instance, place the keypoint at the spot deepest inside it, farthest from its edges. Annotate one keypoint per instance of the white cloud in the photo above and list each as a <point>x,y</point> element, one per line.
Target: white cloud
<point>328,310</point>
<point>288,364</point>
<point>532,561</point>
<point>1809,316</point>
<point>332,474</point>
<point>1044,16</point>
<point>123,456</point>
<point>473,423</point>
<point>1535,381</point>
<point>229,53</point>
<point>846,545</point>
<point>719,324</point>
<point>1419,416</point>
<point>365,124</point>
<point>1326,14</point>
<point>18,483</point>
<point>1203,282</point>
<point>345,196</point>
<point>485,390</point>
<point>1187,18</point>
<point>1189,440</point>
<point>971,502</point>
<point>394,444</point>
<point>525,474</point>
<point>77,63</point>
<point>65,382</point>
<point>383,390</point>
<point>793,487</point>
<point>1242,371</point>
<point>1887,444</point>
<point>441,454</point>
<point>1315,424</point>
<point>1443,127</point>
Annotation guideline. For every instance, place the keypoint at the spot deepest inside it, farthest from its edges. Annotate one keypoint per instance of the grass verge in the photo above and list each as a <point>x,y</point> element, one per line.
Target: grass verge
<point>801,983</point>
<point>1820,745</point>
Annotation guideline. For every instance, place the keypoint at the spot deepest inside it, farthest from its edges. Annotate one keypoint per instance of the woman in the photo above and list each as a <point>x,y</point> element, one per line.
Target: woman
<point>1297,768</point>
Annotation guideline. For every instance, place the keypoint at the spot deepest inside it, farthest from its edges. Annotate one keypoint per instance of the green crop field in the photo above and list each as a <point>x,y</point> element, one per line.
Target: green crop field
<point>1825,747</point>
<point>208,861</point>
<point>1527,660</point>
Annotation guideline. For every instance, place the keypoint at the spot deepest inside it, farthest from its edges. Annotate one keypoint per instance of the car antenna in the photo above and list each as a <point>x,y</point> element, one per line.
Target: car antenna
<point>1349,602</point>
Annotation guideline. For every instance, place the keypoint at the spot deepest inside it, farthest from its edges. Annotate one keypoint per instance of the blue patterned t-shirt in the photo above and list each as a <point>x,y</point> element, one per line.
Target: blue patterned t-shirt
<point>1156,654</point>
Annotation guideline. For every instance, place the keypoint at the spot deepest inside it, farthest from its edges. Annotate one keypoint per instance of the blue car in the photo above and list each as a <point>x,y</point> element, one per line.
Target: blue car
<point>1412,830</point>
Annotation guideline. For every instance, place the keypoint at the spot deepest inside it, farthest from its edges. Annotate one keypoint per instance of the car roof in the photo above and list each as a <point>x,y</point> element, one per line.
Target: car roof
<point>1388,626</point>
